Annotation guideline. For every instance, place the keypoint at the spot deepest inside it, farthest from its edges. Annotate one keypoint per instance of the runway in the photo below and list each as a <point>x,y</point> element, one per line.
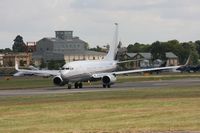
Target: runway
<point>96,88</point>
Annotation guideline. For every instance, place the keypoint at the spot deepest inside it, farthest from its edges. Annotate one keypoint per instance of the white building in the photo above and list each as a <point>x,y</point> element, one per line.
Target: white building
<point>1,59</point>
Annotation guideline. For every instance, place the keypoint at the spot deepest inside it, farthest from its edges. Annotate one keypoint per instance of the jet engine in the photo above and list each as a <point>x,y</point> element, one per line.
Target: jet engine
<point>108,80</point>
<point>58,81</point>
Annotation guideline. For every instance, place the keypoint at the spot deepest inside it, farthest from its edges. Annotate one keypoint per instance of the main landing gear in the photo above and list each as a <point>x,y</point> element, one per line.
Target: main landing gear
<point>76,85</point>
<point>108,86</point>
<point>69,86</point>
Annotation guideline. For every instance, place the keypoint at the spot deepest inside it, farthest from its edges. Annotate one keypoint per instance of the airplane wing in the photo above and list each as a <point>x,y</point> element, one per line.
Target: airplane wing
<point>45,73</point>
<point>121,62</point>
<point>100,75</point>
<point>145,70</point>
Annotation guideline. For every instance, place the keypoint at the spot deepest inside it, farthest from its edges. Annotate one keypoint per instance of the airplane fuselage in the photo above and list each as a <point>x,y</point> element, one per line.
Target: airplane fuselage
<point>83,70</point>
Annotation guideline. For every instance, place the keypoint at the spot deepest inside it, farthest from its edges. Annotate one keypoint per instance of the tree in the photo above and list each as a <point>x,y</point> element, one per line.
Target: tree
<point>197,43</point>
<point>190,49</point>
<point>55,64</point>
<point>43,64</point>
<point>158,50</point>
<point>21,62</point>
<point>6,50</point>
<point>86,46</point>
<point>133,48</point>
<point>19,45</point>
<point>97,49</point>
<point>137,47</point>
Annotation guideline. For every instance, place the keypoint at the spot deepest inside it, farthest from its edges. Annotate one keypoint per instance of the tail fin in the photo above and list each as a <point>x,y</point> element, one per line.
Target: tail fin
<point>113,48</point>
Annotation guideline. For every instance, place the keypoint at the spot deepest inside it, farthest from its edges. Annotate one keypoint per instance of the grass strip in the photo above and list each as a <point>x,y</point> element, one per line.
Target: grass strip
<point>135,110</point>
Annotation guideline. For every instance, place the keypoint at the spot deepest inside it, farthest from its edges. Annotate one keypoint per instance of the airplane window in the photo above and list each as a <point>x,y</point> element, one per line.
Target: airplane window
<point>65,68</point>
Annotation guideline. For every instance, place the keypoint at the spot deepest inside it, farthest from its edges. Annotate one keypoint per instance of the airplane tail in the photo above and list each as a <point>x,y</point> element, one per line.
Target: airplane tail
<point>113,48</point>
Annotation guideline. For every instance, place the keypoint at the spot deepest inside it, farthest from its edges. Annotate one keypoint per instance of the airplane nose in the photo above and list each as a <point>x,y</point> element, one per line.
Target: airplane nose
<point>63,72</point>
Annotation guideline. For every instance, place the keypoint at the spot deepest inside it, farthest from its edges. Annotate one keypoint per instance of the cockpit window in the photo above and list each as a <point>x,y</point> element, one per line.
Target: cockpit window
<point>67,68</point>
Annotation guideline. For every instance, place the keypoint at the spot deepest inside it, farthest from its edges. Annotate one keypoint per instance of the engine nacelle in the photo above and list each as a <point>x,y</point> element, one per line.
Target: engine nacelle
<point>109,79</point>
<point>58,81</point>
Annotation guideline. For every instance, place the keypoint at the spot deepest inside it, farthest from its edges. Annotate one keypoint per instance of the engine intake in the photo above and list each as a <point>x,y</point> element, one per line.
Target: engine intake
<point>58,81</point>
<point>108,79</point>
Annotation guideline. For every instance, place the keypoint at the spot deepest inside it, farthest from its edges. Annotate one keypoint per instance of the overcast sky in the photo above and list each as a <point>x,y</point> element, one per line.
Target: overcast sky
<point>143,21</point>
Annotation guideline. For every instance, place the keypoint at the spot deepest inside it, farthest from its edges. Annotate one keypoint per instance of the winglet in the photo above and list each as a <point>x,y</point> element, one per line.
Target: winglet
<point>188,60</point>
<point>16,65</point>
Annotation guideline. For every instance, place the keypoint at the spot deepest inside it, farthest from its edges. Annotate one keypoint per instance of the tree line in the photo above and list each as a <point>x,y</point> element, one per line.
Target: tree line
<point>157,49</point>
<point>181,49</point>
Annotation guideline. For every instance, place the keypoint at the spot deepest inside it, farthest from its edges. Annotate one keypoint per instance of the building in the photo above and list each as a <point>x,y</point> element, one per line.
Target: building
<point>24,59</point>
<point>88,55</point>
<point>143,60</point>
<point>1,59</point>
<point>64,46</point>
<point>172,59</point>
<point>30,47</point>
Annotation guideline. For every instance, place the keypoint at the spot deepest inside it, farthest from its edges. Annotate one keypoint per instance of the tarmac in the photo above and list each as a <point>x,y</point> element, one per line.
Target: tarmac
<point>97,88</point>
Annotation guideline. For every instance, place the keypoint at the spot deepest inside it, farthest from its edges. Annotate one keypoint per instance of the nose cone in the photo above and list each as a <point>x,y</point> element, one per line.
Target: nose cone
<point>64,73</point>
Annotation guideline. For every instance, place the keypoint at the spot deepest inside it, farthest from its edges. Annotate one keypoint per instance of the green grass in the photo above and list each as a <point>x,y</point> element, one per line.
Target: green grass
<point>24,82</point>
<point>136,110</point>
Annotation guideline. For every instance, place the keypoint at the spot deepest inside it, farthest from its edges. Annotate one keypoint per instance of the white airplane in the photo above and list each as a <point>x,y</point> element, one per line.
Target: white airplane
<point>77,72</point>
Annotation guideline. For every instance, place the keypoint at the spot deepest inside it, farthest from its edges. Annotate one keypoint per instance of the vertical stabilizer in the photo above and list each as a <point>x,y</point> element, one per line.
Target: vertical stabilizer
<point>113,48</point>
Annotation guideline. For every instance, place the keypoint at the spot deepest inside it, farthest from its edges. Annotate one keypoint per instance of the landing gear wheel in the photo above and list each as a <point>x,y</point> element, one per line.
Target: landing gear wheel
<point>69,86</point>
<point>76,85</point>
<point>106,86</point>
<point>80,85</point>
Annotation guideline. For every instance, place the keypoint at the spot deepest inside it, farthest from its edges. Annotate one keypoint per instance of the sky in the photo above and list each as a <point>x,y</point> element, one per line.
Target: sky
<point>143,21</point>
